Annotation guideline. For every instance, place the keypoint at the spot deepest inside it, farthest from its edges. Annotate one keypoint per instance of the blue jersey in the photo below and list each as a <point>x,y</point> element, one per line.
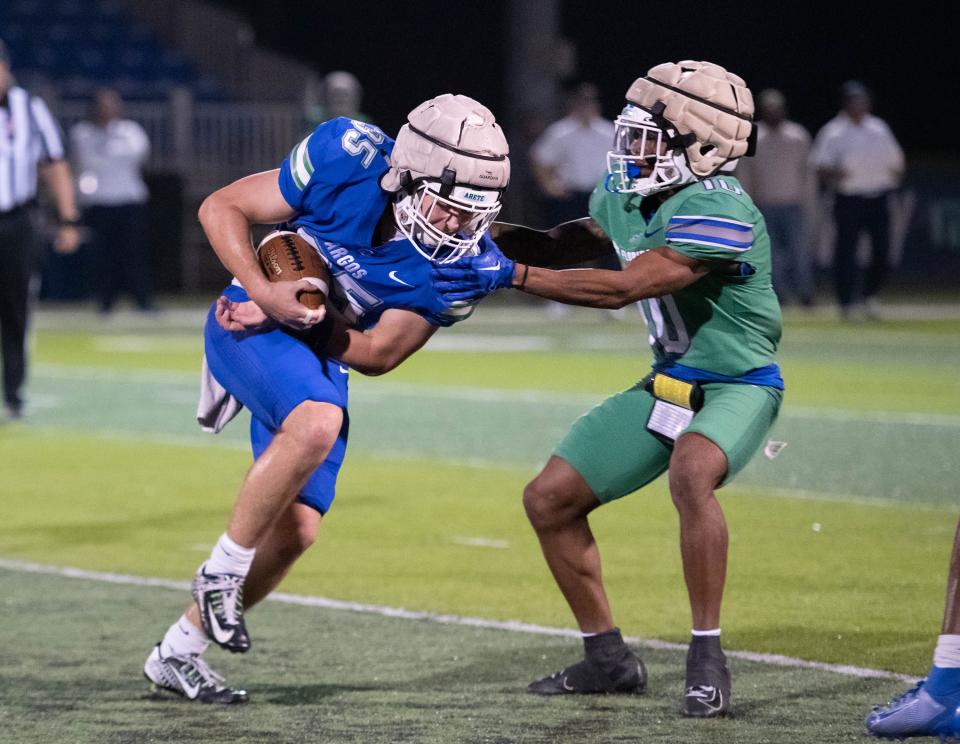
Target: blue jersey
<point>332,178</point>
<point>368,281</point>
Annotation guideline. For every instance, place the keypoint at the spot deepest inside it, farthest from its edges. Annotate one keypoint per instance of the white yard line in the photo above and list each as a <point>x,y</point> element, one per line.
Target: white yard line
<point>512,626</point>
<point>378,390</point>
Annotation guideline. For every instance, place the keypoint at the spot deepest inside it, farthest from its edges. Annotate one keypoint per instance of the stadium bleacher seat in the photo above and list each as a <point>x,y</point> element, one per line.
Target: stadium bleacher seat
<point>79,45</point>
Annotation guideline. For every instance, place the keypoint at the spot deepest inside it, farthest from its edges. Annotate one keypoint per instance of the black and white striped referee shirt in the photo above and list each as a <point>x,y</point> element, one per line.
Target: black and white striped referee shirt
<point>29,135</point>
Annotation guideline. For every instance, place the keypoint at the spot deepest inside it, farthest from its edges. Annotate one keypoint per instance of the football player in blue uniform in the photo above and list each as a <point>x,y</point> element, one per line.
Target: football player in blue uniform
<point>932,708</point>
<point>380,213</point>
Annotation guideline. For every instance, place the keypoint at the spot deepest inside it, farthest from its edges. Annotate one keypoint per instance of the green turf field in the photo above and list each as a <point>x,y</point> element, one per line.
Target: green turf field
<point>839,546</point>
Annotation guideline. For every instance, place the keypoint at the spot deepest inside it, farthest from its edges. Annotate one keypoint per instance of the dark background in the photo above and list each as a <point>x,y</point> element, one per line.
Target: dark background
<point>407,52</point>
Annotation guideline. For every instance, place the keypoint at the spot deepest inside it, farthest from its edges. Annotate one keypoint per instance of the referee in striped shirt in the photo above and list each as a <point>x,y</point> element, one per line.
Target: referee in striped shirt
<point>30,147</point>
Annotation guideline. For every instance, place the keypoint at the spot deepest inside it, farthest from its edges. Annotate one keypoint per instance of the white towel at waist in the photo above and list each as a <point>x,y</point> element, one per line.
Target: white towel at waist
<point>216,407</point>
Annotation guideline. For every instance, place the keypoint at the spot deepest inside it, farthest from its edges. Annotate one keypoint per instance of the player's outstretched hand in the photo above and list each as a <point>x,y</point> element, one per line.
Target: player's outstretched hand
<point>471,278</point>
<point>241,316</point>
<point>279,300</point>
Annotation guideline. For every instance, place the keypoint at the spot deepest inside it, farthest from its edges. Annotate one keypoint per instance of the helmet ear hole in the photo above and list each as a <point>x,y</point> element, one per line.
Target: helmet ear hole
<point>707,149</point>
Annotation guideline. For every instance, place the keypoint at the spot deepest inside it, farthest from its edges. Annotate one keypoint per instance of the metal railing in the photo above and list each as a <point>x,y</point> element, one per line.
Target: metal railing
<point>209,144</point>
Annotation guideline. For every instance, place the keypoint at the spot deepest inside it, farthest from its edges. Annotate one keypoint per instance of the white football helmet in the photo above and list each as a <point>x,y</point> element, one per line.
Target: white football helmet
<point>683,122</point>
<point>449,158</point>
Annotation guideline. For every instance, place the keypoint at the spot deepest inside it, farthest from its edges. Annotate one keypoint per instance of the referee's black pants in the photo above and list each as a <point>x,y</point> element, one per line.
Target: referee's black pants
<point>17,262</point>
<point>853,215</point>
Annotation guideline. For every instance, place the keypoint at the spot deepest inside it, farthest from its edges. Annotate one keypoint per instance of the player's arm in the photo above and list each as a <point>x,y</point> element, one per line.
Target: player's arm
<point>397,335</point>
<point>657,272</point>
<point>226,216</point>
<point>372,352</point>
<point>651,274</point>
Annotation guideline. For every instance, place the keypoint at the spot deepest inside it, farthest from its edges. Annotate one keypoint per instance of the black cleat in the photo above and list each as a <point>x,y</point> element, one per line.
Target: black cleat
<point>609,666</point>
<point>587,678</point>
<point>707,693</point>
<point>190,677</point>
<point>220,599</point>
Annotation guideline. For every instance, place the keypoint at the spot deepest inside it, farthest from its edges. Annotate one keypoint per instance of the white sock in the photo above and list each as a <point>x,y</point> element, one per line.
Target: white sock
<point>947,653</point>
<point>184,638</point>
<point>229,558</point>
<point>698,633</point>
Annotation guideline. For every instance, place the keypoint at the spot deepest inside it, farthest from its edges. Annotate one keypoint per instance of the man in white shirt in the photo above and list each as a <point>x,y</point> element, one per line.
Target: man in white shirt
<point>570,156</point>
<point>108,153</point>
<point>781,182</point>
<point>857,156</point>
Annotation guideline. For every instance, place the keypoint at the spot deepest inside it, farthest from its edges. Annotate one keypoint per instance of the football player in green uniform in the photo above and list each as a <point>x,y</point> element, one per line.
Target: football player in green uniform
<point>696,254</point>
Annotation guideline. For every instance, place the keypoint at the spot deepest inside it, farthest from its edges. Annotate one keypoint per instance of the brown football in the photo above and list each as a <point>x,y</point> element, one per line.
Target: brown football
<point>286,257</point>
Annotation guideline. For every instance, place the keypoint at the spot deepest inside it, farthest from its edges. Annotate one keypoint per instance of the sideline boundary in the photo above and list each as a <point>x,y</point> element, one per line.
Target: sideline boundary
<point>513,626</point>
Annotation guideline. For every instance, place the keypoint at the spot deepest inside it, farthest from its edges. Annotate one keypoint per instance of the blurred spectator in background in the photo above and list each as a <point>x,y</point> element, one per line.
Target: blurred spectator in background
<point>570,156</point>
<point>780,180</point>
<point>342,95</point>
<point>858,157</point>
<point>30,146</point>
<point>108,153</point>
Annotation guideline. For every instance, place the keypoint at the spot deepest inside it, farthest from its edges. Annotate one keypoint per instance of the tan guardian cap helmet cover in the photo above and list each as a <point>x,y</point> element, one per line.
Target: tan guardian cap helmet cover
<point>711,109</point>
<point>450,132</point>
<point>450,157</point>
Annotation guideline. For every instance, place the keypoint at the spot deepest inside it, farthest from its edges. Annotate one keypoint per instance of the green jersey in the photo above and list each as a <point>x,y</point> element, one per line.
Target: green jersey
<point>727,324</point>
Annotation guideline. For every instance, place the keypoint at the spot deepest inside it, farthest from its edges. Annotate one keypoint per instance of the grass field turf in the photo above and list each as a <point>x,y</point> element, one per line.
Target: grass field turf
<point>110,475</point>
<point>321,675</point>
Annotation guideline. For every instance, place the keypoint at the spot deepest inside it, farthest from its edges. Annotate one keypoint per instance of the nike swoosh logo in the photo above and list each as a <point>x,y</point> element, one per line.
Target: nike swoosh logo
<point>190,691</point>
<point>397,279</point>
<point>220,635</point>
<point>651,234</point>
<point>490,268</point>
<point>716,699</point>
<point>566,685</point>
<point>343,369</point>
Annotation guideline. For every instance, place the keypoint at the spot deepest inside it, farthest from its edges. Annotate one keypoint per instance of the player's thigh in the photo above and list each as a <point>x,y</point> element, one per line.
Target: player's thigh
<point>271,372</point>
<point>737,418</point>
<point>321,487</point>
<point>611,448</point>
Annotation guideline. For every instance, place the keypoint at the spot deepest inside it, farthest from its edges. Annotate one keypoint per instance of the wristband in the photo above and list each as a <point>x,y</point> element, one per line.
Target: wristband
<point>523,280</point>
